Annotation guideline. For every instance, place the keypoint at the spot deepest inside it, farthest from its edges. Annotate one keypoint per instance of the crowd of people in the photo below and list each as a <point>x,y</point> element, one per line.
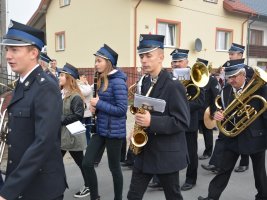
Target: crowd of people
<point>47,100</point>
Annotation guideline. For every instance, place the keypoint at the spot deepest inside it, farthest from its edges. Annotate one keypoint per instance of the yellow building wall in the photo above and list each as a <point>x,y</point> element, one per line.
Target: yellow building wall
<point>198,19</point>
<point>88,25</point>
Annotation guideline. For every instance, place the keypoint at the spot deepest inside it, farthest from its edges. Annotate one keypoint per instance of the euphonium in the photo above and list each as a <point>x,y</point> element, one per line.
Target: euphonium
<point>240,109</point>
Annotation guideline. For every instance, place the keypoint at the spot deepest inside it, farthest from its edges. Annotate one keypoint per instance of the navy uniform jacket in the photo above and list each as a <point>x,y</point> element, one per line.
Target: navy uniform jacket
<point>35,167</point>
<point>211,92</point>
<point>166,149</point>
<point>253,138</point>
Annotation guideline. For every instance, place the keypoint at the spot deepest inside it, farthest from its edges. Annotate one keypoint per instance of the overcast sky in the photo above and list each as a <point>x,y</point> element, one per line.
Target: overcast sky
<point>21,10</point>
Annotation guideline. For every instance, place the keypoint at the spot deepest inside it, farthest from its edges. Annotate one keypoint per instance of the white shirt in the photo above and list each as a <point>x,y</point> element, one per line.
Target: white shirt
<point>22,79</point>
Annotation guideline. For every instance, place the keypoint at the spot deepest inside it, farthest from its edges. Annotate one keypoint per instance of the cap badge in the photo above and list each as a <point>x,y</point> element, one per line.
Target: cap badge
<point>141,38</point>
<point>228,64</point>
<point>176,51</point>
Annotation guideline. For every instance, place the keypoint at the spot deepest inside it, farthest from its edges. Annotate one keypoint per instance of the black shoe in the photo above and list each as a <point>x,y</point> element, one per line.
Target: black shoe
<point>203,198</point>
<point>154,185</point>
<point>211,168</point>
<point>187,186</point>
<point>203,157</point>
<point>84,191</point>
<point>241,168</point>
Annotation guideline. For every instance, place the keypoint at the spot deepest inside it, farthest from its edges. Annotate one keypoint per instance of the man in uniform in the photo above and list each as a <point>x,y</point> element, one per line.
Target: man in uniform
<point>35,167</point>
<point>180,60</point>
<point>251,141</point>
<point>165,152</point>
<point>44,63</point>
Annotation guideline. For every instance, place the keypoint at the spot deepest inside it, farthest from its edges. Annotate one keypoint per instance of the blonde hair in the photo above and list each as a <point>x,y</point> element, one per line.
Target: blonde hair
<point>72,86</point>
<point>103,79</point>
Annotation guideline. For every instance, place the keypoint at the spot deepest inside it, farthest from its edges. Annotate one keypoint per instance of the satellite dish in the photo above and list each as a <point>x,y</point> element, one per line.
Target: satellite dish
<point>198,45</point>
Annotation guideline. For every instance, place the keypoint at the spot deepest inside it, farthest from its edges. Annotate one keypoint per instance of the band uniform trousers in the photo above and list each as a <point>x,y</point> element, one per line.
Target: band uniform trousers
<point>208,138</point>
<point>220,181</point>
<point>216,158</point>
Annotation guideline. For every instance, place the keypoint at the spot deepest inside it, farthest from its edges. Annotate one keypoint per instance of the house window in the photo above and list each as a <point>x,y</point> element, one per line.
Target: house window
<point>224,39</point>
<point>171,30</point>
<point>256,37</point>
<point>60,41</point>
<point>211,1</point>
<point>64,2</point>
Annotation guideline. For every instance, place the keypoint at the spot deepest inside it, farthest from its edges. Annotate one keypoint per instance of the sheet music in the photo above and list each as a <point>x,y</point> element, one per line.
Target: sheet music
<point>76,128</point>
<point>181,74</point>
<point>149,102</point>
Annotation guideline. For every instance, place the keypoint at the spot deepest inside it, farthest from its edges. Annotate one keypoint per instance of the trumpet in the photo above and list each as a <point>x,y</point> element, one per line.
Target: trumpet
<point>199,77</point>
<point>240,108</point>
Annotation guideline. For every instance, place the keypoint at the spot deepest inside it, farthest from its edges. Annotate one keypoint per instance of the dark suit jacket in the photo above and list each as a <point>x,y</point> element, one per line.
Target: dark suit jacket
<point>211,91</point>
<point>35,167</point>
<point>166,149</point>
<point>253,138</point>
<point>195,108</point>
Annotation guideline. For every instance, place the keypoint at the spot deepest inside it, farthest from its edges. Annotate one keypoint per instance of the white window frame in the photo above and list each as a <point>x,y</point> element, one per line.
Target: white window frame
<point>60,41</point>
<point>64,3</point>
<point>171,30</point>
<point>224,38</point>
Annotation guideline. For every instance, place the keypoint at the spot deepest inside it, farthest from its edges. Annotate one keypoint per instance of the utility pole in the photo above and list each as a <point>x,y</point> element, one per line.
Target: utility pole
<point>3,65</point>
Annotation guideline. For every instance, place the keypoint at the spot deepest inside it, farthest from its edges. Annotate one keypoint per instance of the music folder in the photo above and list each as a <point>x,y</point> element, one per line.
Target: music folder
<point>149,103</point>
<point>76,128</point>
<point>181,74</point>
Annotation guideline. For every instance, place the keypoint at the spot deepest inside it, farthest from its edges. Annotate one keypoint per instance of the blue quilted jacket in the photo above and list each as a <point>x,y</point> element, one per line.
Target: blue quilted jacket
<point>112,107</point>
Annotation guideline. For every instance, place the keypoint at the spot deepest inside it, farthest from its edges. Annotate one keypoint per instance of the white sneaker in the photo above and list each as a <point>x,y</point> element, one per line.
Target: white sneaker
<point>84,191</point>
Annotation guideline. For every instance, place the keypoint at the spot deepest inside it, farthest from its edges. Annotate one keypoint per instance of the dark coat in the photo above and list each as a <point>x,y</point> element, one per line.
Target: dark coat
<point>211,92</point>
<point>35,167</point>
<point>166,149</point>
<point>253,138</point>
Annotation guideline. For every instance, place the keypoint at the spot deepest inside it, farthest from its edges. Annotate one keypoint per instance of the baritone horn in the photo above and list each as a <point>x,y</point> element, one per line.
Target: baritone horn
<point>240,108</point>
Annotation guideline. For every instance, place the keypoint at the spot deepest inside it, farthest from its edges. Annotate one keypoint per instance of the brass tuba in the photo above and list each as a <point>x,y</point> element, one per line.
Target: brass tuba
<point>240,109</point>
<point>199,77</point>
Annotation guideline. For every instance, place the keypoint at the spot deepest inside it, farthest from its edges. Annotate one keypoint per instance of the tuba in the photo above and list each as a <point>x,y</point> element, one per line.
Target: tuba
<point>240,108</point>
<point>199,77</point>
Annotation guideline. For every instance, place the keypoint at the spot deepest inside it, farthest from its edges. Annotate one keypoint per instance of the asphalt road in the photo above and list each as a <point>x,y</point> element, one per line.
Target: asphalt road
<point>240,187</point>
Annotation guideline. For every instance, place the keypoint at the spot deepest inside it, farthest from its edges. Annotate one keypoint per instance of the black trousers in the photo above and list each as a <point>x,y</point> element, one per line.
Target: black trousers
<point>78,158</point>
<point>169,182</point>
<point>208,138</point>
<point>220,181</point>
<point>216,158</point>
<point>244,161</point>
<point>191,172</point>
<point>113,147</point>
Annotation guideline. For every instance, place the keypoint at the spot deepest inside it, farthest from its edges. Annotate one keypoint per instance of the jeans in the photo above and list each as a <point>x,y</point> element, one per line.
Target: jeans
<point>113,146</point>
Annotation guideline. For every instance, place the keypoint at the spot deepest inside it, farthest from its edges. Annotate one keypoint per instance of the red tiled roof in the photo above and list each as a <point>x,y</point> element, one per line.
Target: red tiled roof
<point>239,7</point>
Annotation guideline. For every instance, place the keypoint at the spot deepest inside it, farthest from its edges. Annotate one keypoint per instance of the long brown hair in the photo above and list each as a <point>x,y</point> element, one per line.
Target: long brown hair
<point>72,86</point>
<point>104,76</point>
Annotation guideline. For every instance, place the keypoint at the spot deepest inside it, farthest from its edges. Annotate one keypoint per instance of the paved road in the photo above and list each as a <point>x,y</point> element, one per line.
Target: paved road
<point>240,187</point>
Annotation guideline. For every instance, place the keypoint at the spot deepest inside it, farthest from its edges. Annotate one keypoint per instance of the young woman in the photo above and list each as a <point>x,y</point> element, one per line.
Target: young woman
<point>110,107</point>
<point>73,110</point>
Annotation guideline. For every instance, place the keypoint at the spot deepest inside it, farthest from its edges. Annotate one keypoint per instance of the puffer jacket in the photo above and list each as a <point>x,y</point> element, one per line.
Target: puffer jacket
<point>112,107</point>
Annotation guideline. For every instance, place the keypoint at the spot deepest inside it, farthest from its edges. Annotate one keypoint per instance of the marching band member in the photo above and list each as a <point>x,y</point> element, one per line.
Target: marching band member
<point>110,107</point>
<point>180,60</point>
<point>251,141</point>
<point>35,167</point>
<point>165,152</point>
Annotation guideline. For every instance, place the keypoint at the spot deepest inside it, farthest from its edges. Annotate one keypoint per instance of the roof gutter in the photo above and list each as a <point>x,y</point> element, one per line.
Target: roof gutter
<point>135,30</point>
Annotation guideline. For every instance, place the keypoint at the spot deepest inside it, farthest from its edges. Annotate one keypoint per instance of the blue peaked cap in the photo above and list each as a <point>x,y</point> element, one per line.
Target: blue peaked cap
<point>203,61</point>
<point>179,54</point>
<point>236,48</point>
<point>108,53</point>
<point>22,35</point>
<point>148,43</point>
<point>232,67</point>
<point>44,57</point>
<point>71,70</point>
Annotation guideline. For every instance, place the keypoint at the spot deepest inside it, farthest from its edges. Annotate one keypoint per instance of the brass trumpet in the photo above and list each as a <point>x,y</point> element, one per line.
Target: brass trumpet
<point>240,107</point>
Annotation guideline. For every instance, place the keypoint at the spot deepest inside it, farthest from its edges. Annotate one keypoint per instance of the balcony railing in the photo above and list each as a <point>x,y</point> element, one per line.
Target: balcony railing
<point>257,51</point>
